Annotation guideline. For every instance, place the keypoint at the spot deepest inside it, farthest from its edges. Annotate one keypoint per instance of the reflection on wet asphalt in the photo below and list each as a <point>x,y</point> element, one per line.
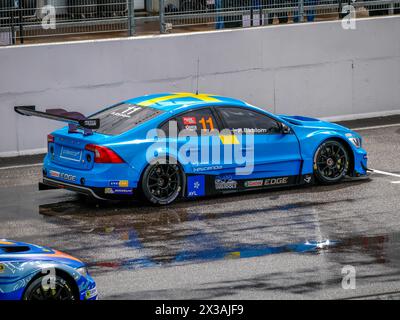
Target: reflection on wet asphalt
<point>171,236</point>
<point>290,243</point>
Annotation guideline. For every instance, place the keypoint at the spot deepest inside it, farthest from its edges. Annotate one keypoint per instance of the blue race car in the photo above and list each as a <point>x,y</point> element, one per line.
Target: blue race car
<point>171,145</point>
<point>30,272</point>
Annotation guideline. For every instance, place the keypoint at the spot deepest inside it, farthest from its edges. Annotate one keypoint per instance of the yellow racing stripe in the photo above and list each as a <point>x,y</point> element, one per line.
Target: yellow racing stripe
<point>6,242</point>
<point>229,139</point>
<point>202,97</point>
<point>234,254</point>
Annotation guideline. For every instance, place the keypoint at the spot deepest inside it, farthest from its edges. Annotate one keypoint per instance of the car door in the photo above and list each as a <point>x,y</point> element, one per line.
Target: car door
<point>272,152</point>
<point>197,145</point>
<point>196,139</point>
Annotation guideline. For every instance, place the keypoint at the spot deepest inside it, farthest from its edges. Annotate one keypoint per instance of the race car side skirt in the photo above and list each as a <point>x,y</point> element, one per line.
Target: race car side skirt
<point>205,184</point>
<point>212,184</point>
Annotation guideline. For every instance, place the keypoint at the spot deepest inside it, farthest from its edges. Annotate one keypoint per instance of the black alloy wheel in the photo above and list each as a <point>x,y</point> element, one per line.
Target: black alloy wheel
<point>60,290</point>
<point>331,162</point>
<point>162,183</point>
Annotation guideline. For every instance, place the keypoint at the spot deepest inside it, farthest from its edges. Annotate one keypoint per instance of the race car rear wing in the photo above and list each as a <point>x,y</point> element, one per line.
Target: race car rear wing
<point>74,119</point>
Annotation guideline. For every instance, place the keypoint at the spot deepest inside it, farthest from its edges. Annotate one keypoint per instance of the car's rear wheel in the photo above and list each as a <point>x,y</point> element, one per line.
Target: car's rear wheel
<point>41,289</point>
<point>331,162</point>
<point>162,183</point>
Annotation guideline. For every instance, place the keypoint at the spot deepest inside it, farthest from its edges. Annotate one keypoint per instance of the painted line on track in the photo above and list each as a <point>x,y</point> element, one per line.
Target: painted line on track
<point>376,127</point>
<point>22,166</point>
<point>387,174</point>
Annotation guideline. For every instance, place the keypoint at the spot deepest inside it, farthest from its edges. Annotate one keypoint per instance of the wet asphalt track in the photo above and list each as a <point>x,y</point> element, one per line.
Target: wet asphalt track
<point>245,246</point>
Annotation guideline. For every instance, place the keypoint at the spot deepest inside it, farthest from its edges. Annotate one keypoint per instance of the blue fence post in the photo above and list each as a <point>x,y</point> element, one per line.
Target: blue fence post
<point>220,19</point>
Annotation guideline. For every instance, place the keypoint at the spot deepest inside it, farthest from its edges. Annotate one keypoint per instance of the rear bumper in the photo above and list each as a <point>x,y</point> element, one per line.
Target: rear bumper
<point>104,181</point>
<point>94,192</point>
<point>102,175</point>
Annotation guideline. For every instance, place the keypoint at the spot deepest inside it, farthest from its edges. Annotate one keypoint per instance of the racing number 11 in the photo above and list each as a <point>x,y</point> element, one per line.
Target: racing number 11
<point>204,123</point>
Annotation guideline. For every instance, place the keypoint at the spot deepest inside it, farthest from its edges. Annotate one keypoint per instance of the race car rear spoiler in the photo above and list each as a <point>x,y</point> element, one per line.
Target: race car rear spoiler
<point>74,119</point>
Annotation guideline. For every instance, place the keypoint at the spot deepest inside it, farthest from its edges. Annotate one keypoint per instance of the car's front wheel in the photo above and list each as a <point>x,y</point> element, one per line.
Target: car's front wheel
<point>46,288</point>
<point>331,162</point>
<point>162,183</point>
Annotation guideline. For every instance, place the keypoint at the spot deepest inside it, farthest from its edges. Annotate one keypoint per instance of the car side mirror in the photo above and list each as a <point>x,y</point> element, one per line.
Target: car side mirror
<point>285,129</point>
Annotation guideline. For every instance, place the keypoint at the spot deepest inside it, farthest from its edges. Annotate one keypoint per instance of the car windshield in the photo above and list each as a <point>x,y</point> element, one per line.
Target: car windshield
<point>123,117</point>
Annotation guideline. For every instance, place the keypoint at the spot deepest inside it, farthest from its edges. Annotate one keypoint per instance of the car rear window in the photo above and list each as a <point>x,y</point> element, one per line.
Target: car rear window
<point>123,117</point>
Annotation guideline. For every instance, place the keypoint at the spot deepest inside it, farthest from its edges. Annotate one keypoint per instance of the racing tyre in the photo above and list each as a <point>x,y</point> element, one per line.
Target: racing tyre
<point>61,290</point>
<point>331,162</point>
<point>162,183</point>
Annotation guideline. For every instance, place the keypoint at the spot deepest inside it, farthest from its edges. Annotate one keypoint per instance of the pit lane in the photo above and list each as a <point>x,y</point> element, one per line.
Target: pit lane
<point>245,246</point>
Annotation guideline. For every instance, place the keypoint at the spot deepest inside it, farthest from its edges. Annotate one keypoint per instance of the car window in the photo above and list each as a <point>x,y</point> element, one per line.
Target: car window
<point>197,120</point>
<point>166,126</point>
<point>240,120</point>
<point>123,117</point>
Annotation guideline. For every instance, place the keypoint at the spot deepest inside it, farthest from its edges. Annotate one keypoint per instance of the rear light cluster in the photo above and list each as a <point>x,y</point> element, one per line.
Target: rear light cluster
<point>50,139</point>
<point>103,154</point>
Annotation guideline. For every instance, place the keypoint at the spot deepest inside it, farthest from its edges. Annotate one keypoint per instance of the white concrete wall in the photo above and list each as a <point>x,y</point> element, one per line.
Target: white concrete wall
<point>315,69</point>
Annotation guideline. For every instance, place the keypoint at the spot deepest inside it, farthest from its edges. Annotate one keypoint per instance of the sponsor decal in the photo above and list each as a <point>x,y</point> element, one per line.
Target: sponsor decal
<point>189,121</point>
<point>70,153</point>
<point>307,179</point>
<point>196,186</point>
<point>127,112</point>
<point>209,168</point>
<point>118,191</point>
<point>2,268</point>
<point>225,183</point>
<point>254,183</point>
<point>91,293</point>
<point>62,175</point>
<point>119,183</point>
<point>68,177</point>
<point>90,122</point>
<point>276,181</point>
<point>193,128</point>
<point>250,130</point>
<point>55,174</point>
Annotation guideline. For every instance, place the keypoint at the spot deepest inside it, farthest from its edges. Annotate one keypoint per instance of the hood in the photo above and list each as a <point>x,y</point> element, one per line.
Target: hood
<point>21,251</point>
<point>313,123</point>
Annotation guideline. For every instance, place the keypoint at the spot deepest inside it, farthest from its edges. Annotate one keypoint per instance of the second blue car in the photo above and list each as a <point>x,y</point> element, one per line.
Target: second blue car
<point>31,272</point>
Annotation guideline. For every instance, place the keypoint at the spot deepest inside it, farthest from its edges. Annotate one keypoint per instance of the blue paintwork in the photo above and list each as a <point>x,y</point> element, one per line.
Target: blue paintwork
<point>18,269</point>
<point>275,154</point>
<point>312,132</point>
